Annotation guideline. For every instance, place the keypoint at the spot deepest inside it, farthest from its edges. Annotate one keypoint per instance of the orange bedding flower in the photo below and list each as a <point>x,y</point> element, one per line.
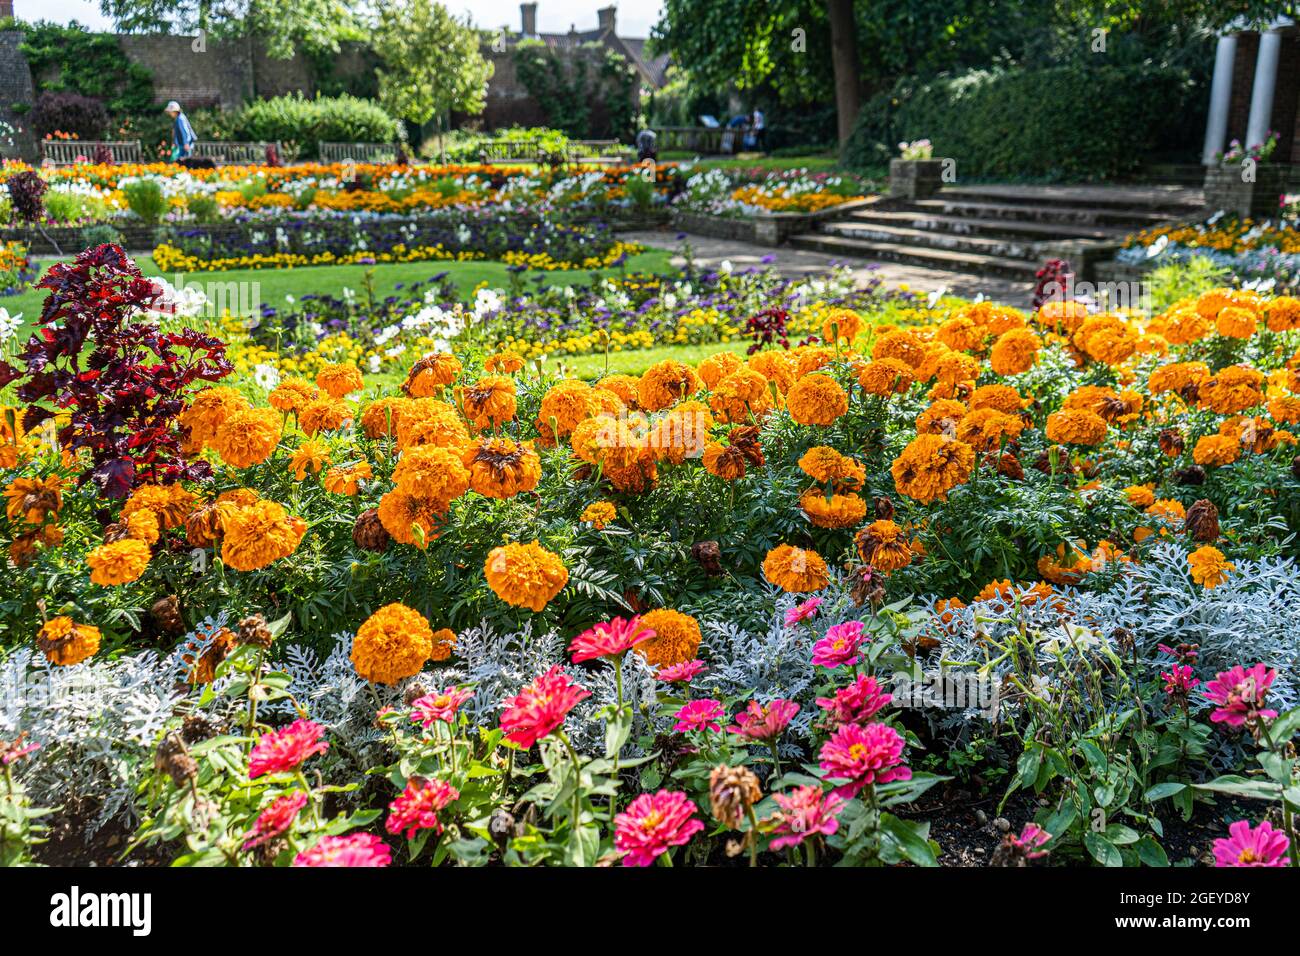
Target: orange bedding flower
<point>525,575</point>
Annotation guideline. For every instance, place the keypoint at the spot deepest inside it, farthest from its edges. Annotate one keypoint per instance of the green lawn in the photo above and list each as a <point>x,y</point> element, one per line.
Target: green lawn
<point>636,362</point>
<point>275,284</point>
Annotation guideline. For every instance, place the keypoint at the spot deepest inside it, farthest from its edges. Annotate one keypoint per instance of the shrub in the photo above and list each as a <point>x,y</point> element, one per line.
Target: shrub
<point>301,124</point>
<point>83,116</point>
<point>27,196</point>
<point>145,198</point>
<point>204,208</point>
<point>1031,124</point>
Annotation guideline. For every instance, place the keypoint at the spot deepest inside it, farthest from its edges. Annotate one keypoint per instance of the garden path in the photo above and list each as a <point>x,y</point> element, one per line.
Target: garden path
<point>788,261</point>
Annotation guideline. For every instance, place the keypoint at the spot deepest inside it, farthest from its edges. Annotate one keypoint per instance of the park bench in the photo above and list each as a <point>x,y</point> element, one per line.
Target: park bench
<point>358,152</point>
<point>68,152</point>
<point>583,150</point>
<point>696,139</point>
<point>234,154</point>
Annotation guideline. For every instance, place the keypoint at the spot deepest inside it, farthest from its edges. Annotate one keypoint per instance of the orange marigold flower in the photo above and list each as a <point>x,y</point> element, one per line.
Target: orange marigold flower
<point>826,465</point>
<point>1283,314</point>
<point>718,366</point>
<point>902,344</point>
<point>504,363</point>
<point>795,570</point>
<point>65,642</point>
<point>500,468</point>
<point>1233,389</point>
<point>810,358</point>
<point>444,642</point>
<point>525,575</point>
<point>598,514</point>
<point>987,429</point>
<point>1208,567</point>
<point>489,402</point>
<point>143,526</point>
<point>725,461</point>
<point>324,415</point>
<point>1216,450</point>
<point>1067,566</point>
<point>247,438</point>
<point>1004,398</point>
<point>1178,376</point>
<point>118,562</point>
<point>887,376</point>
<point>1076,427</point>
<point>339,379</point>
<point>816,400</point>
<point>34,499</point>
<point>1062,315</point>
<point>382,416</point>
<point>1236,323</point>
<point>258,534</point>
<point>392,644</point>
<point>837,511</point>
<point>435,474</point>
<point>409,520</point>
<point>1015,352</point>
<point>776,366</point>
<point>1285,410</point>
<point>427,421</point>
<point>208,411</point>
<point>882,545</point>
<point>742,396</point>
<point>293,395</point>
<point>347,479</point>
<point>941,418</point>
<point>1168,510</point>
<point>666,383</point>
<point>311,456</point>
<point>1106,338</point>
<point>431,374</point>
<point>624,386</point>
<point>1140,496</point>
<point>960,334</point>
<point>676,638</point>
<point>842,324</point>
<point>563,406</point>
<point>931,466</point>
<point>1184,326</point>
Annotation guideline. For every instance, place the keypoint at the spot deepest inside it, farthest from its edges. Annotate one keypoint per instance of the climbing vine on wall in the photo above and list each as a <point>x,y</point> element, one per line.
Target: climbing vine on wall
<point>92,64</point>
<point>592,94</point>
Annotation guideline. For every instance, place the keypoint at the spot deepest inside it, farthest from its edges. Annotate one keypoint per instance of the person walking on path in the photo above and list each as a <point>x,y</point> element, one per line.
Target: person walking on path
<point>183,138</point>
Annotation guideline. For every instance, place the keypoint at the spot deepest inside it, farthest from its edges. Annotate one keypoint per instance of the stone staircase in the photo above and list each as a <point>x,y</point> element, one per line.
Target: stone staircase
<point>998,230</point>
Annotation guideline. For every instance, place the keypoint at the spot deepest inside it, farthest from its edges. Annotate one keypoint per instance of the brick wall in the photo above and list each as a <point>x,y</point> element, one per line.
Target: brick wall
<point>15,87</point>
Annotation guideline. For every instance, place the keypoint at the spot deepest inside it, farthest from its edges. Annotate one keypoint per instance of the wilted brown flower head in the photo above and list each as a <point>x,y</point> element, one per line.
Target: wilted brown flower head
<point>732,791</point>
<point>173,759</point>
<point>368,532</point>
<point>1202,521</point>
<point>709,556</point>
<point>166,613</point>
<point>254,630</point>
<point>1171,442</point>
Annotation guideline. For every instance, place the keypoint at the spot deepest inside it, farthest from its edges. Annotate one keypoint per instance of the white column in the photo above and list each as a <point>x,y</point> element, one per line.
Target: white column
<point>1261,95</point>
<point>1216,127</point>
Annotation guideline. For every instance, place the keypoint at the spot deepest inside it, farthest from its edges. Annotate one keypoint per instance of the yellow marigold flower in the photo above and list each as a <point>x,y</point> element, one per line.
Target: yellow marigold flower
<point>826,465</point>
<point>500,468</point>
<point>324,415</point>
<point>1216,450</point>
<point>1236,323</point>
<point>987,429</point>
<point>431,374</point>
<point>837,511</point>
<point>795,570</point>
<point>887,376</point>
<point>489,402</point>
<point>775,366</point>
<point>392,644</point>
<point>435,474</point>
<point>347,479</point>
<point>339,379</point>
<point>1283,314</point>
<point>292,395</point>
<point>525,575</point>
<point>676,638</point>
<point>882,545</point>
<point>1168,510</point>
<point>842,324</point>
<point>666,383</point>
<point>1076,427</point>
<point>718,366</point>
<point>563,406</point>
<point>931,466</point>
<point>625,387</point>
<point>65,642</point>
<point>1233,389</point>
<point>143,526</point>
<point>247,438</point>
<point>311,456</point>
<point>1208,567</point>
<point>409,520</point>
<point>258,534</point>
<point>381,416</point>
<point>119,562</point>
<point>816,400</point>
<point>208,411</point>
<point>742,396</point>
<point>1140,496</point>
<point>504,363</point>
<point>1015,352</point>
<point>598,514</point>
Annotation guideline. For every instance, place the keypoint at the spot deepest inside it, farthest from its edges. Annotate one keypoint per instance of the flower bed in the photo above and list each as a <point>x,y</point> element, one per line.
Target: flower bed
<point>1257,252</point>
<point>406,592</point>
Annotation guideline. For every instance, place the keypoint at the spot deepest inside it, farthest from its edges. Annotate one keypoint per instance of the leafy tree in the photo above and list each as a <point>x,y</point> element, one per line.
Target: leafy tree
<point>280,24</point>
<point>434,62</point>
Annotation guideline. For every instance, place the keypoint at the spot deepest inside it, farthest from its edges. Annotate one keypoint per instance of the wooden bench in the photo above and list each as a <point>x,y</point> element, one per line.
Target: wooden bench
<point>358,152</point>
<point>68,152</point>
<point>582,150</point>
<point>235,154</point>
<point>698,139</point>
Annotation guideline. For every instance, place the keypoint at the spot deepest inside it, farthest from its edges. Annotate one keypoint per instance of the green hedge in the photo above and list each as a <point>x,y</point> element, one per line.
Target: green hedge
<point>300,123</point>
<point>1066,123</point>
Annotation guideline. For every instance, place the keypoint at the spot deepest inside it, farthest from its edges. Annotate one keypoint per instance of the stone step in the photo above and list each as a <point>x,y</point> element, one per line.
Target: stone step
<point>925,256</point>
<point>1170,200</point>
<point>1010,248</point>
<point>1059,215</point>
<point>1029,230</point>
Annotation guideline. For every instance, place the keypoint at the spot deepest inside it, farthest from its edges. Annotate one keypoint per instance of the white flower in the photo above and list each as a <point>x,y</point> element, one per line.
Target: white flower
<point>9,324</point>
<point>726,267</point>
<point>266,376</point>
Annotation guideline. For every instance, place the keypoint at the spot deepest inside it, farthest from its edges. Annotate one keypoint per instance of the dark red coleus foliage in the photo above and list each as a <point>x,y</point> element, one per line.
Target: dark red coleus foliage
<point>1052,282</point>
<point>767,327</point>
<point>125,380</point>
<point>27,196</point>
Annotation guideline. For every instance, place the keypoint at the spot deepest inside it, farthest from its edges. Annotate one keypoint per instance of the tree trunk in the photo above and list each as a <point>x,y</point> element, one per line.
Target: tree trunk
<point>848,70</point>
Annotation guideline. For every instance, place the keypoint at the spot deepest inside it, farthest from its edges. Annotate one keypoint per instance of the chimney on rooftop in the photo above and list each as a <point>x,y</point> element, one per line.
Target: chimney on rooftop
<point>528,18</point>
<point>606,16</point>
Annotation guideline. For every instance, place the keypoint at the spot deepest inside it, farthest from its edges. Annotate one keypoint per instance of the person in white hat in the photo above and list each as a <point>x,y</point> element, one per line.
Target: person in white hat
<point>183,138</point>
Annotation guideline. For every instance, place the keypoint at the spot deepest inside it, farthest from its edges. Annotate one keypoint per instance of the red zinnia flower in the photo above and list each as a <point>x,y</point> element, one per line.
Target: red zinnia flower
<point>276,819</point>
<point>700,715</point>
<point>609,639</point>
<point>1262,846</point>
<point>418,805</point>
<point>354,849</point>
<point>282,750</point>
<point>652,824</point>
<point>540,707</point>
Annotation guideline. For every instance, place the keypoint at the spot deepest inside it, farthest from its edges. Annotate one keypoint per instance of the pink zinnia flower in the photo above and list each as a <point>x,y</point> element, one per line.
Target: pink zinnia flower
<point>610,639</point>
<point>1263,846</point>
<point>1240,694</point>
<point>276,819</point>
<point>839,646</point>
<point>802,612</point>
<point>652,824</point>
<point>416,807</point>
<point>1030,842</point>
<point>863,755</point>
<point>764,722</point>
<point>1186,653</point>
<point>439,706</point>
<point>14,750</point>
<point>354,849</point>
<point>283,750</point>
<point>540,707</point>
<point>682,673</point>
<point>700,715</point>
<point>1179,681</point>
<point>857,703</point>
<point>805,811</point>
